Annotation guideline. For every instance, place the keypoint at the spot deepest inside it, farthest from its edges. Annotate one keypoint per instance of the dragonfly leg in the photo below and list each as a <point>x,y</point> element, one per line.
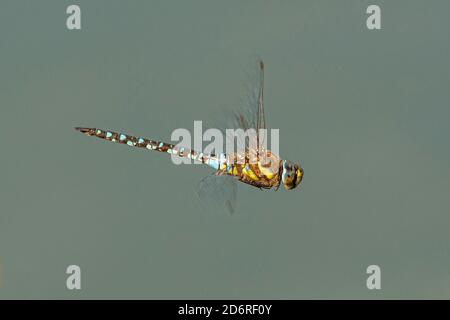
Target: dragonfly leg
<point>258,184</point>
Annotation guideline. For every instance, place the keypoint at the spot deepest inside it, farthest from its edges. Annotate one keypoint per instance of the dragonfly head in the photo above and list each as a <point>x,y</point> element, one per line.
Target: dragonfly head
<point>291,175</point>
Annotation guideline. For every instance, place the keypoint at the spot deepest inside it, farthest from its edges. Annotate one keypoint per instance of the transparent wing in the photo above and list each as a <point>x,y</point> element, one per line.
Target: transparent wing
<point>261,124</point>
<point>218,191</point>
<point>250,114</point>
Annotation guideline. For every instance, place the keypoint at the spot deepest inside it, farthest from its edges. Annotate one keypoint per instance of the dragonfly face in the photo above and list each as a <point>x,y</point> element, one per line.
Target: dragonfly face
<point>292,175</point>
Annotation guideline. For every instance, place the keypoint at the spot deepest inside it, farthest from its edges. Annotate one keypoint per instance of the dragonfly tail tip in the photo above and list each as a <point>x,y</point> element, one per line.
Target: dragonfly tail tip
<point>81,129</point>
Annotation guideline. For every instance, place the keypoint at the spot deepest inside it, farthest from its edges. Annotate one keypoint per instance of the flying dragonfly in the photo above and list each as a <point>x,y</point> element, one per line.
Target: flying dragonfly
<point>253,165</point>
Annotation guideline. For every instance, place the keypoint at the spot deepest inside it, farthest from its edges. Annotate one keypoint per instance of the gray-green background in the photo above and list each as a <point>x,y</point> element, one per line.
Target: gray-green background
<point>366,113</point>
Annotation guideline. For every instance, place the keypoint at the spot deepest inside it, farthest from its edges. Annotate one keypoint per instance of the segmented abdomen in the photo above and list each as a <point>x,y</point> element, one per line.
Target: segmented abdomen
<point>133,141</point>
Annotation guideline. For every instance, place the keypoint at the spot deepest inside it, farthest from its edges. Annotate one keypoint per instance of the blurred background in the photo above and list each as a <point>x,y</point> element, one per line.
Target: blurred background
<point>365,112</point>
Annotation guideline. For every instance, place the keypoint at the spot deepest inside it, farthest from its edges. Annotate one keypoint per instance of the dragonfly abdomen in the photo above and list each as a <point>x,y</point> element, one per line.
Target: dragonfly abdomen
<point>129,140</point>
<point>145,143</point>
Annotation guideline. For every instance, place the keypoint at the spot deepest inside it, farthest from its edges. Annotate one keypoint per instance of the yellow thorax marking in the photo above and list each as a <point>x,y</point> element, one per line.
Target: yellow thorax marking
<point>249,173</point>
<point>266,171</point>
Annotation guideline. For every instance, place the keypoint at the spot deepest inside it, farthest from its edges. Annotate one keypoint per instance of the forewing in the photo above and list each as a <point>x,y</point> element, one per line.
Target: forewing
<point>250,114</point>
<point>261,116</point>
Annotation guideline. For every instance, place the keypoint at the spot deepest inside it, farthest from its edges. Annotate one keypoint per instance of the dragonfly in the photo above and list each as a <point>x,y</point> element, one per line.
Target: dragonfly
<point>254,165</point>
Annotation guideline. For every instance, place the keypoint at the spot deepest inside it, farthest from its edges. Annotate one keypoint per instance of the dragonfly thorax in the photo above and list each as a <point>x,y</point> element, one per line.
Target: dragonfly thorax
<point>262,171</point>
